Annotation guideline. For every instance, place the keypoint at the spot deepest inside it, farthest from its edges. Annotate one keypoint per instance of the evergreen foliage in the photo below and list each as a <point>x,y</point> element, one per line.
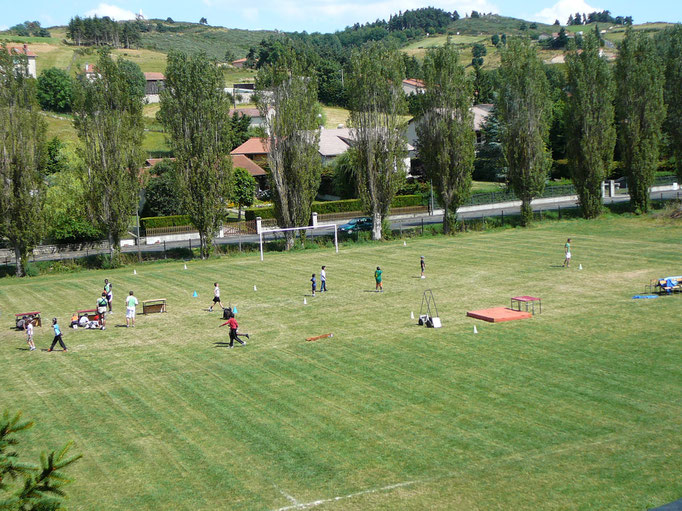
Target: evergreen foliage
<point>105,32</point>
<point>489,162</point>
<point>445,130</point>
<point>22,158</point>
<point>109,123</point>
<point>41,486</point>
<point>378,145</point>
<point>640,111</point>
<point>525,111</point>
<point>671,45</point>
<point>195,112</point>
<point>288,86</point>
<point>591,134</point>
<point>243,189</point>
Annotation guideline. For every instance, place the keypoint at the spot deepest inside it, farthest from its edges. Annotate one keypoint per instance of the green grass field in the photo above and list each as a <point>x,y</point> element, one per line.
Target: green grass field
<point>577,408</point>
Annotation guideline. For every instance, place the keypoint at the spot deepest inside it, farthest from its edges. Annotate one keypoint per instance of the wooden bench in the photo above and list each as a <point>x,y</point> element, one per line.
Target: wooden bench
<point>92,314</point>
<point>36,317</point>
<point>152,306</point>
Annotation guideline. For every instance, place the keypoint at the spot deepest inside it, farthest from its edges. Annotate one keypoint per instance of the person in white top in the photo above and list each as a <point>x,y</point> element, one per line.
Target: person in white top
<point>216,297</point>
<point>29,334</point>
<point>323,279</point>
<point>131,302</point>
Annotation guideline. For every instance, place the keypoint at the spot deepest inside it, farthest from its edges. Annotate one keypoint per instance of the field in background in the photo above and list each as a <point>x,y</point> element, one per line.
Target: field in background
<point>578,408</point>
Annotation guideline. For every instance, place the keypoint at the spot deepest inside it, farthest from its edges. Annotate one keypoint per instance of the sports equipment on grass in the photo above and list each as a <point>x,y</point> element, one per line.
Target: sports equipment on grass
<point>429,319</point>
<point>194,295</point>
<point>134,272</point>
<point>498,314</point>
<point>305,302</point>
<point>475,331</point>
<point>318,337</point>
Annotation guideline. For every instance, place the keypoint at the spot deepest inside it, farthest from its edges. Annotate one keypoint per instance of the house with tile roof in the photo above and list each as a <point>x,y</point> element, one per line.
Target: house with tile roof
<point>30,58</point>
<point>413,86</point>
<point>154,84</point>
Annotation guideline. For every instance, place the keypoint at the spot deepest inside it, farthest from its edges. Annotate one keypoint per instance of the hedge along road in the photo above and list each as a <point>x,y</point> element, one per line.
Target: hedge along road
<point>397,222</point>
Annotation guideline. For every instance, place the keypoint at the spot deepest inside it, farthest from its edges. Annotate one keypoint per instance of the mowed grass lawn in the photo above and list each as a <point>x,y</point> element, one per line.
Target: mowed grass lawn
<point>577,408</point>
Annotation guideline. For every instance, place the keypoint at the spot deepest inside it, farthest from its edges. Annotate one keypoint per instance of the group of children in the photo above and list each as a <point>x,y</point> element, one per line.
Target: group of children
<point>28,326</point>
<point>323,281</point>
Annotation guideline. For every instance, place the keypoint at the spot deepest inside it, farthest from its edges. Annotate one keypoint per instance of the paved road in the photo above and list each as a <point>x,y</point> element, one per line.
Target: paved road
<point>396,223</point>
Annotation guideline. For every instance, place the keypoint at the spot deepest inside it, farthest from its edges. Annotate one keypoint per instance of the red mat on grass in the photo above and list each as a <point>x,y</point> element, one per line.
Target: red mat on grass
<point>498,314</point>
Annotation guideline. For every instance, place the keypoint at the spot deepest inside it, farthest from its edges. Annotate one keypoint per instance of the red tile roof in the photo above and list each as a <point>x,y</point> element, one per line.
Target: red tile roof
<point>243,162</point>
<point>249,112</point>
<point>253,145</point>
<point>21,50</point>
<point>415,82</point>
<point>154,77</point>
<point>238,61</point>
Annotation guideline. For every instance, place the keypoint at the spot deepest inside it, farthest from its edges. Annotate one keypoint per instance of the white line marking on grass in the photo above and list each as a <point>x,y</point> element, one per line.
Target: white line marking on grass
<point>289,497</point>
<point>315,503</point>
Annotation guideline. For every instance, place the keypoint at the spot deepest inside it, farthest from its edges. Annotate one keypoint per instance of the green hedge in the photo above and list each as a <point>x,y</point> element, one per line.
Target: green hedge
<point>337,206</point>
<point>165,221</point>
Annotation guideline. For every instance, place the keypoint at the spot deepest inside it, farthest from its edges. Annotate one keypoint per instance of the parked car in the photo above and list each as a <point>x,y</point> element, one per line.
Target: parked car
<point>357,224</point>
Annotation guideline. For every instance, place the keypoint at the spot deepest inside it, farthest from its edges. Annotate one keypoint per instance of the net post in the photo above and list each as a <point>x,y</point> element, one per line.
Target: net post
<point>336,239</point>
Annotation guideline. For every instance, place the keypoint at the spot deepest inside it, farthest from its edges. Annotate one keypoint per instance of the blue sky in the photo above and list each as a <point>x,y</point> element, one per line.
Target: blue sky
<point>321,15</point>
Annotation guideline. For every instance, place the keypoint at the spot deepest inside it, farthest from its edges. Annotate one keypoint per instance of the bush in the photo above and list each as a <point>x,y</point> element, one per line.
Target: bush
<point>338,206</point>
<point>54,90</point>
<point>165,221</point>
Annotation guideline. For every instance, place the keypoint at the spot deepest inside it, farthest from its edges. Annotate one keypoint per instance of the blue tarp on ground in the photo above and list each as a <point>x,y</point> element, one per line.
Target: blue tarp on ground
<point>673,506</point>
<point>644,297</point>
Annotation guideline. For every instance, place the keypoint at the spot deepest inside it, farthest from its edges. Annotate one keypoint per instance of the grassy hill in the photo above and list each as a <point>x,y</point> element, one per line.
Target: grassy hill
<point>577,408</point>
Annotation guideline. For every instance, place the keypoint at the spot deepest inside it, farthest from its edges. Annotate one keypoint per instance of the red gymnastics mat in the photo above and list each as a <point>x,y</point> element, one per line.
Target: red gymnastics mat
<point>498,314</point>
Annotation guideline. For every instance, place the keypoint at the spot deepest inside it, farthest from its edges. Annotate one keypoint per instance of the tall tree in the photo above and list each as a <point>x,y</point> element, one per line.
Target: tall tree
<point>672,49</point>
<point>195,112</point>
<point>590,132</point>
<point>22,158</point>
<point>293,136</point>
<point>525,111</point>
<point>108,119</point>
<point>243,189</point>
<point>445,130</point>
<point>377,130</point>
<point>640,112</point>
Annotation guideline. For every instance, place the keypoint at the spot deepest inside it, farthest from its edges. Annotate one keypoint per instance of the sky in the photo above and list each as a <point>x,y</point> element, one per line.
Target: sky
<point>321,15</point>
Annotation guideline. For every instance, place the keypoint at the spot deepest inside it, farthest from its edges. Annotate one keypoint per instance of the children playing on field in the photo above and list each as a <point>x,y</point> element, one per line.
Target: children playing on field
<point>131,303</point>
<point>29,334</point>
<point>216,297</point>
<point>234,336</point>
<point>57,336</point>
<point>313,283</point>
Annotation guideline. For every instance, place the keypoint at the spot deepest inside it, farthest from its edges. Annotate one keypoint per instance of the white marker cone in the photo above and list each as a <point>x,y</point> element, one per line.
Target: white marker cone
<point>580,267</point>
<point>404,243</point>
<point>475,331</point>
<point>411,315</point>
<point>134,272</point>
<point>185,267</point>
<point>254,288</point>
<point>305,302</point>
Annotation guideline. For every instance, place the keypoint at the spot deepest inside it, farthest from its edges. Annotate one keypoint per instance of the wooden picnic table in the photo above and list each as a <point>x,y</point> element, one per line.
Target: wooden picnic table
<point>92,314</point>
<point>152,306</point>
<point>34,314</point>
<point>528,302</point>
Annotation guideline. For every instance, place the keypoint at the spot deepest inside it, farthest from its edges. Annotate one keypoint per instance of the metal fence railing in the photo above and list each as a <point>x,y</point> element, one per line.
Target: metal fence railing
<point>175,229</point>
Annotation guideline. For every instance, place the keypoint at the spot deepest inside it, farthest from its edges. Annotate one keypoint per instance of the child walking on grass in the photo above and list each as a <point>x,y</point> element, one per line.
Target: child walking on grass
<point>57,336</point>
<point>234,336</point>
<point>377,278</point>
<point>313,283</point>
<point>216,297</point>
<point>29,334</point>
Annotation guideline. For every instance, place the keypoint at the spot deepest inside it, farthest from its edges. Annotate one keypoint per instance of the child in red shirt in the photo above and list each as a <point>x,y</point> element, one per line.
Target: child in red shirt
<point>233,332</point>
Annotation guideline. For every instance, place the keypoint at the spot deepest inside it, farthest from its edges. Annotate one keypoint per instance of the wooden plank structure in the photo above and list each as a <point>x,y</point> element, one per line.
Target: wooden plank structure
<point>35,315</point>
<point>318,337</point>
<point>92,314</point>
<point>152,306</point>
<point>499,314</point>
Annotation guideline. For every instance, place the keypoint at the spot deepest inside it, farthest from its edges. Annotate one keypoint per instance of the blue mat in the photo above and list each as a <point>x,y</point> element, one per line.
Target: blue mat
<point>644,297</point>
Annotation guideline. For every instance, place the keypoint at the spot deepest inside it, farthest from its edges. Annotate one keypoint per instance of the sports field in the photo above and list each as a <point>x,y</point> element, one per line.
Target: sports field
<point>577,408</point>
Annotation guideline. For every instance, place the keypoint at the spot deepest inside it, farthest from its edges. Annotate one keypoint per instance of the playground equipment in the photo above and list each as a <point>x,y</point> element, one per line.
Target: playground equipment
<point>429,319</point>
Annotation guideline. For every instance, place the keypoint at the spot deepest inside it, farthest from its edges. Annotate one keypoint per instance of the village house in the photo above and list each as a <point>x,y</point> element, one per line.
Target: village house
<point>30,57</point>
<point>154,84</point>
<point>413,86</point>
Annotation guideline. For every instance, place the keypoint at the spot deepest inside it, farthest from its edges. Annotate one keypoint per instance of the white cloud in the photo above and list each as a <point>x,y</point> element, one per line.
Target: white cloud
<point>562,9</point>
<point>3,27</point>
<point>113,11</point>
<point>250,14</point>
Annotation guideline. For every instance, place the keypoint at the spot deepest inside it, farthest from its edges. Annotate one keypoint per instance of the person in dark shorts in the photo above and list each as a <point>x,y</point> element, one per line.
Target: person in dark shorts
<point>423,266</point>
<point>57,336</point>
<point>102,305</point>
<point>234,335</point>
<point>313,283</point>
<point>378,279</point>
<point>216,297</point>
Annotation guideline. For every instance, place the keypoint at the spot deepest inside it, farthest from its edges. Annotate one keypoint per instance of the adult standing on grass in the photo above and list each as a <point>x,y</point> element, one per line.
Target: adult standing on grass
<point>109,292</point>
<point>234,336</point>
<point>377,278</point>
<point>323,279</point>
<point>131,303</point>
<point>567,251</point>
<point>57,336</point>
<point>216,297</point>
<point>102,305</point>
<point>29,334</point>
<point>422,263</point>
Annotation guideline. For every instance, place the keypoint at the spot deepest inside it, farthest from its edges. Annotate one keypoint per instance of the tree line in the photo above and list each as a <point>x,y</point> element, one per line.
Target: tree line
<point>29,28</point>
<point>105,32</point>
<point>598,17</point>
<point>591,112</point>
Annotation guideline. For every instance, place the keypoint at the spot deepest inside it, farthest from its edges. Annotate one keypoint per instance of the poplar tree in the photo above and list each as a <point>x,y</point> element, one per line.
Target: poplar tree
<point>445,130</point>
<point>525,111</point>
<point>672,39</point>
<point>377,131</point>
<point>640,112</point>
<point>195,112</point>
<point>22,158</point>
<point>590,131</point>
<point>108,119</point>
<point>288,102</point>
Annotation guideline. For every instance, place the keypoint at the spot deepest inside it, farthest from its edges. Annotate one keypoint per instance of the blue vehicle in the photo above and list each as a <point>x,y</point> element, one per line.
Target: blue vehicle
<point>357,224</point>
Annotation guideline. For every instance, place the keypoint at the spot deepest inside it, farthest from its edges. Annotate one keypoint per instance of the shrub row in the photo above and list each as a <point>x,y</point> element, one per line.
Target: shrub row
<point>337,206</point>
<point>164,221</point>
